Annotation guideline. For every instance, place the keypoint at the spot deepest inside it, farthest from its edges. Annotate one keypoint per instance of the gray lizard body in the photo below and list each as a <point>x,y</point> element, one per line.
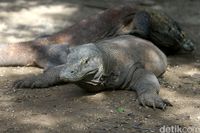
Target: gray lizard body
<point>123,62</point>
<point>149,24</point>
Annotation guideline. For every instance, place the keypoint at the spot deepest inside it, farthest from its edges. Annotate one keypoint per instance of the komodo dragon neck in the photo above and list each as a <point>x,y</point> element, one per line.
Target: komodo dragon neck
<point>106,59</point>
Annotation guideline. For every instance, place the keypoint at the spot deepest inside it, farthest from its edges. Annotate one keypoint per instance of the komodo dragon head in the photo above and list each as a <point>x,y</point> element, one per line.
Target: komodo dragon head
<point>188,45</point>
<point>84,62</point>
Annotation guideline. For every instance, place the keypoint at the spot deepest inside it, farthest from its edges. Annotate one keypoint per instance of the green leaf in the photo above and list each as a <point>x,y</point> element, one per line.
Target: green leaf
<point>120,109</point>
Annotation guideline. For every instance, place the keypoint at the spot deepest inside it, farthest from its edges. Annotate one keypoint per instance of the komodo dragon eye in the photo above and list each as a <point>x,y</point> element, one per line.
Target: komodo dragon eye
<point>84,61</point>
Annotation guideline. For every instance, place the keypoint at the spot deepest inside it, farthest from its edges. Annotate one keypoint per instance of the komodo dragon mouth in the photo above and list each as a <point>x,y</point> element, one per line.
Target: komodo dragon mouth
<point>68,75</point>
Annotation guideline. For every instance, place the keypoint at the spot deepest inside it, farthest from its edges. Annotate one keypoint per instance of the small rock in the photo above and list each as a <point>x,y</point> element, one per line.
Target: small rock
<point>183,117</point>
<point>148,116</point>
<point>196,75</point>
<point>198,117</point>
<point>131,114</point>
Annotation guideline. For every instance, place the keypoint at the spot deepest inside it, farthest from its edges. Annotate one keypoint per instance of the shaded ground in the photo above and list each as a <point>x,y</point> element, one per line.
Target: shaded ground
<point>69,109</point>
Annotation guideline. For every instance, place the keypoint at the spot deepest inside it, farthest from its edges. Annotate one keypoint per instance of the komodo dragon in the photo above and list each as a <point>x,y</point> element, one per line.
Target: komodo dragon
<point>149,24</point>
<point>123,62</point>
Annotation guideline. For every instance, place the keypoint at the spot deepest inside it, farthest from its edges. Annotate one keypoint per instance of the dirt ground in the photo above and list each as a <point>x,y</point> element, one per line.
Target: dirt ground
<point>68,108</point>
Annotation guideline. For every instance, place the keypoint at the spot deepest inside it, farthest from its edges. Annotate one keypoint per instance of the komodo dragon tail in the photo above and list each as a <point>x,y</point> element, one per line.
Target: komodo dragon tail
<point>33,54</point>
<point>18,54</point>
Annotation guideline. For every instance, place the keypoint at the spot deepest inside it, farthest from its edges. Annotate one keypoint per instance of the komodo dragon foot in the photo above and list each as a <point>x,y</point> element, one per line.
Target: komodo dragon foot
<point>153,100</point>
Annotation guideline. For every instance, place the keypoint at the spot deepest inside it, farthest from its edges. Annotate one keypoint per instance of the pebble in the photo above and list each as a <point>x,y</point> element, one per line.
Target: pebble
<point>148,116</point>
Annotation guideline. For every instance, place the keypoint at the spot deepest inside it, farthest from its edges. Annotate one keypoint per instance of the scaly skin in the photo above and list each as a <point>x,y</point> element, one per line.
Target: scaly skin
<point>123,62</point>
<point>149,24</point>
<point>167,32</point>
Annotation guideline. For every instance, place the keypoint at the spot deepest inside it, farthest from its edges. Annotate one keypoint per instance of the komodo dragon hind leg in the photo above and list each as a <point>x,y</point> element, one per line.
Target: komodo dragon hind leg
<point>147,87</point>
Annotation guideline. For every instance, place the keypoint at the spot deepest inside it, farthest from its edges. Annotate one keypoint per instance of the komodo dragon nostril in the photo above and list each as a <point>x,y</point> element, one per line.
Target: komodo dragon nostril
<point>72,72</point>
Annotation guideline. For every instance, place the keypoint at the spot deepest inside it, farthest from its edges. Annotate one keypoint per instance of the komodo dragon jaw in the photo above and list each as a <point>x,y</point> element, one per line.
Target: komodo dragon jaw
<point>188,45</point>
<point>73,75</point>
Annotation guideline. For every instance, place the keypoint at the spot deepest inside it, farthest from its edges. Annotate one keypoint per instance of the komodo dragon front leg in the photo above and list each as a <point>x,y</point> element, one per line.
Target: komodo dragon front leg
<point>147,88</point>
<point>137,24</point>
<point>49,78</point>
